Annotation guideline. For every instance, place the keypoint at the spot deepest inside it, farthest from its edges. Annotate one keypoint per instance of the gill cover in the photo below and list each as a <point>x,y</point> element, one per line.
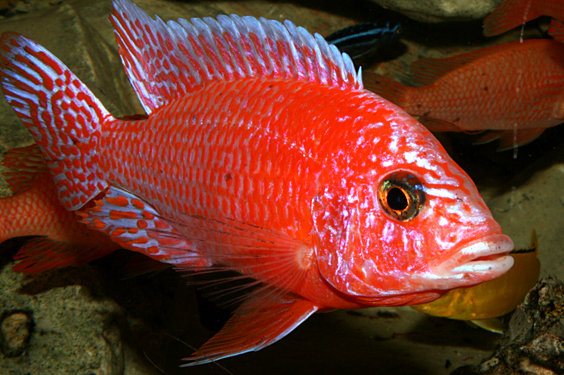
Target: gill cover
<point>346,223</point>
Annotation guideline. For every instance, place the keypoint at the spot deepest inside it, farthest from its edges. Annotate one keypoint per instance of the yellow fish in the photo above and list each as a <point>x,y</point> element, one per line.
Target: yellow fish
<point>484,303</point>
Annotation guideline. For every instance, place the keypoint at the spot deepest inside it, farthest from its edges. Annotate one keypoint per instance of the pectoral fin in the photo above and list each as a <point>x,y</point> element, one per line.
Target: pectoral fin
<point>257,323</point>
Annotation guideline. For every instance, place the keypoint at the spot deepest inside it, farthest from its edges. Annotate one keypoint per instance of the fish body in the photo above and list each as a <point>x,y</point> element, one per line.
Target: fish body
<point>35,210</point>
<point>362,41</point>
<point>261,154</point>
<point>513,86</point>
<point>514,13</point>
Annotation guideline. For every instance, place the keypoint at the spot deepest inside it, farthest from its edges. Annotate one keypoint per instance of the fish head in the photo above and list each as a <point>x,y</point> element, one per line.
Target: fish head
<point>402,223</point>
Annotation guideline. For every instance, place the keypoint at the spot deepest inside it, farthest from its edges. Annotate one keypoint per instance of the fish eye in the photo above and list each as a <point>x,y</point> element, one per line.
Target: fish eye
<point>399,30</point>
<point>401,196</point>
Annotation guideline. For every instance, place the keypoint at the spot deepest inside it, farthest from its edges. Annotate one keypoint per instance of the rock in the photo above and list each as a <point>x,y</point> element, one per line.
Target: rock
<point>15,332</point>
<point>441,10</point>
<point>71,331</point>
<point>9,8</point>
<point>534,342</point>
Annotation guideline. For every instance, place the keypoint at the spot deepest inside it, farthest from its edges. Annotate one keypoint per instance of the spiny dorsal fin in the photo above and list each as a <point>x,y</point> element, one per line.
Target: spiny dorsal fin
<point>167,60</point>
<point>427,70</point>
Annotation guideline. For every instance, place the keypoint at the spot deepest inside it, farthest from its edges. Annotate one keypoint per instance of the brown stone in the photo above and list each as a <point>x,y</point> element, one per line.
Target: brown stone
<point>534,342</point>
<point>15,332</point>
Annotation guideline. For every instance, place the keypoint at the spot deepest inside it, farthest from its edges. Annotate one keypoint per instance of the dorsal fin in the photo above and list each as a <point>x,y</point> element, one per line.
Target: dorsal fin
<point>167,60</point>
<point>427,70</point>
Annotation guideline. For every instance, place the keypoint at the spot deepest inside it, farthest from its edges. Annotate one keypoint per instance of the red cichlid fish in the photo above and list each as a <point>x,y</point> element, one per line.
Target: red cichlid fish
<point>35,210</point>
<point>262,154</point>
<point>516,89</point>
<point>513,13</point>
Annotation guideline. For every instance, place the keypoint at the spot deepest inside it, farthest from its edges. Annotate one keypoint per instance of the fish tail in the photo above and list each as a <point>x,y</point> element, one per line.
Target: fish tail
<point>510,14</point>
<point>22,167</point>
<point>62,114</point>
<point>387,88</point>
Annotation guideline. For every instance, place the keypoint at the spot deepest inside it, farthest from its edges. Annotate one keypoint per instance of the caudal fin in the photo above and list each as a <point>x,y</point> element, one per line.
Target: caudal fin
<point>61,113</point>
<point>510,14</point>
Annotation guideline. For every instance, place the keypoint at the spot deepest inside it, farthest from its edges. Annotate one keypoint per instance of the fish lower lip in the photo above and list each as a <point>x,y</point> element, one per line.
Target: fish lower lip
<point>499,264</point>
<point>486,256</point>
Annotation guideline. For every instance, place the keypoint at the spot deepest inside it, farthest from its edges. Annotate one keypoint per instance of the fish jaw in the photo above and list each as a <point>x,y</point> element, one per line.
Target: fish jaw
<point>474,262</point>
<point>412,264</point>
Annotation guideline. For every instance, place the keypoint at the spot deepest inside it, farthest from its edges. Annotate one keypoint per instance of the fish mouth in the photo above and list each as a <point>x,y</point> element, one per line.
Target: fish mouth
<point>481,260</point>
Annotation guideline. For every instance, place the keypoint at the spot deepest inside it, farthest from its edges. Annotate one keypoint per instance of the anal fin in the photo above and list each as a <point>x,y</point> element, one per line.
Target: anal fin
<point>258,322</point>
<point>137,226</point>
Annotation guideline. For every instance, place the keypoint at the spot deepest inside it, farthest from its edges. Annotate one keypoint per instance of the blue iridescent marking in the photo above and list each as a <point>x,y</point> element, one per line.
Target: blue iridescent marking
<point>364,39</point>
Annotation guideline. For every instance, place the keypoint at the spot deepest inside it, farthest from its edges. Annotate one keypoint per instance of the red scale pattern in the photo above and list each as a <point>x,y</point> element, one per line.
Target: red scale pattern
<point>209,163</point>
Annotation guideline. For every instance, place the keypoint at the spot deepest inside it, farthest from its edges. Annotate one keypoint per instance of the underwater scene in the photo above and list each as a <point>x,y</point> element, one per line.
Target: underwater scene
<point>272,187</point>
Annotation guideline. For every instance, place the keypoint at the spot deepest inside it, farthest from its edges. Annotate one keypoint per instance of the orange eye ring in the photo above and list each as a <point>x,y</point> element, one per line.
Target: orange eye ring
<point>401,196</point>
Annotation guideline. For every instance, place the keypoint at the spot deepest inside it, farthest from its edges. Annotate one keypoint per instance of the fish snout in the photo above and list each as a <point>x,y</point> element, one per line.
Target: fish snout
<point>477,261</point>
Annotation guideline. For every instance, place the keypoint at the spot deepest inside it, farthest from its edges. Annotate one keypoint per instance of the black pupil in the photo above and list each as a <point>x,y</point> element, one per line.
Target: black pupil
<point>397,199</point>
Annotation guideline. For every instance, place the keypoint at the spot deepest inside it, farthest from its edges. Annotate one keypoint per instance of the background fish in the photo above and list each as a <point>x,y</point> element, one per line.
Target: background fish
<point>513,13</point>
<point>262,154</point>
<point>516,89</point>
<point>35,210</point>
<point>556,30</point>
<point>362,41</point>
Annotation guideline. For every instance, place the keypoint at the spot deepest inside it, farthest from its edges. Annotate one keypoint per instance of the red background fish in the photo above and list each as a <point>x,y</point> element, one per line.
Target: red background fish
<point>35,210</point>
<point>515,88</point>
